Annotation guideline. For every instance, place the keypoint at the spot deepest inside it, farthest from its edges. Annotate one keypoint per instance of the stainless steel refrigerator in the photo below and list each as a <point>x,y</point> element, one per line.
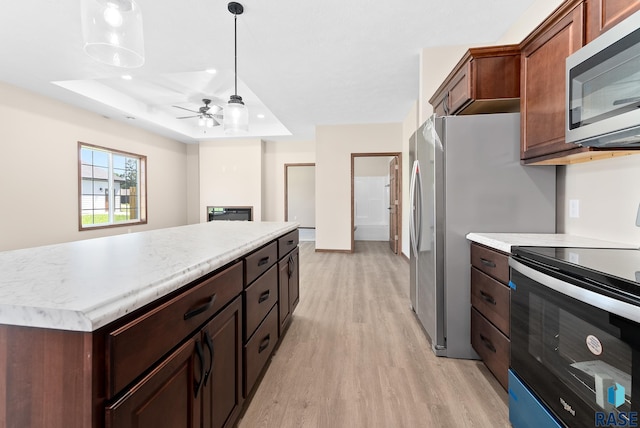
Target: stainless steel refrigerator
<point>466,177</point>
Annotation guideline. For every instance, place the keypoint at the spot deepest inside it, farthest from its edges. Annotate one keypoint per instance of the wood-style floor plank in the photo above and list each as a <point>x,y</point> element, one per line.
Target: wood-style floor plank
<point>355,356</point>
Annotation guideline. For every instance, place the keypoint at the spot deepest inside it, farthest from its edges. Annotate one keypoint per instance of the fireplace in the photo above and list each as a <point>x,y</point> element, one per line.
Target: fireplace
<point>229,213</point>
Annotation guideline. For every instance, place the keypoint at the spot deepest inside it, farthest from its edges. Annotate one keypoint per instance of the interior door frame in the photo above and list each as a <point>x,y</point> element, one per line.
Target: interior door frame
<point>286,185</point>
<point>398,155</point>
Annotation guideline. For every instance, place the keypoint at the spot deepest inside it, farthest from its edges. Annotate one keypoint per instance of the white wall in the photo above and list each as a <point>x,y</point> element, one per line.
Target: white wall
<point>39,170</point>
<point>276,155</point>
<point>608,195</point>
<point>533,16</point>
<point>334,145</point>
<point>193,183</point>
<point>231,175</point>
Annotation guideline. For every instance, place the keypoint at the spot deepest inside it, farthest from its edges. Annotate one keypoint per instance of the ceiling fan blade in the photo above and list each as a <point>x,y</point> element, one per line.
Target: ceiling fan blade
<point>192,111</point>
<point>187,117</point>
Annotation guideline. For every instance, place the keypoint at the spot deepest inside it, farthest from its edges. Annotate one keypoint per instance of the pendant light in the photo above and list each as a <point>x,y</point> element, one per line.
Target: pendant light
<point>236,115</point>
<point>112,31</point>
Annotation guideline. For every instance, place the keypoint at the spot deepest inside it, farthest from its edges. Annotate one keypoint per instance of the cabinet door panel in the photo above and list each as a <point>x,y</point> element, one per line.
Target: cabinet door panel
<point>460,91</point>
<point>283,294</point>
<point>222,393</point>
<point>602,15</point>
<point>164,398</point>
<point>294,280</point>
<point>542,102</point>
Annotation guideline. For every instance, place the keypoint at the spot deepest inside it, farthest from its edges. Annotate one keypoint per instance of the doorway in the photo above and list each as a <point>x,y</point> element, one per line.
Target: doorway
<point>300,197</point>
<point>376,211</point>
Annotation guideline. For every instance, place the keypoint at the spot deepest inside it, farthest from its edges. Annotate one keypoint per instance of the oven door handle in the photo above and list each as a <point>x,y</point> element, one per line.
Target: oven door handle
<point>606,303</point>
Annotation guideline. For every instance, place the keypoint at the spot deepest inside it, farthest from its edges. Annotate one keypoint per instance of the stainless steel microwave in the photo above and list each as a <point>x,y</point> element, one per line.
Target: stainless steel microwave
<point>603,89</point>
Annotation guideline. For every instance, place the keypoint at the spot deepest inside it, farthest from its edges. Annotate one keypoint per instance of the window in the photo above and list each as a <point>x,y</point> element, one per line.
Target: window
<point>112,187</point>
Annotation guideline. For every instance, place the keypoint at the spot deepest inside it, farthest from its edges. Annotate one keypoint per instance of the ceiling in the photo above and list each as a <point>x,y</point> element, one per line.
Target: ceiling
<point>300,64</point>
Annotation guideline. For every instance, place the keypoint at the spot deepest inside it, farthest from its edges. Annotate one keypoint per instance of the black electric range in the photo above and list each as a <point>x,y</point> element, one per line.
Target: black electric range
<point>610,271</point>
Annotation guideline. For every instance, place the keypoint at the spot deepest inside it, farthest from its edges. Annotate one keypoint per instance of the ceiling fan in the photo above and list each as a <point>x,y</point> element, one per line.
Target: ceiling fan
<point>205,116</point>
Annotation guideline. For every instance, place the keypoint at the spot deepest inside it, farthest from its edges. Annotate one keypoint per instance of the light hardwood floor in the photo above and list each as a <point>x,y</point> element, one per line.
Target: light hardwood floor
<point>355,356</point>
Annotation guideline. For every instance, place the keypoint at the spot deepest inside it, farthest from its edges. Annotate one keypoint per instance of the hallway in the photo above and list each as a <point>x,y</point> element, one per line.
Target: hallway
<point>355,355</point>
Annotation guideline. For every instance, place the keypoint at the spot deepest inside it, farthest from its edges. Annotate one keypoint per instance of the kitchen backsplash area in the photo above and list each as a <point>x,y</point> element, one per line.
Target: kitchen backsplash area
<point>607,194</point>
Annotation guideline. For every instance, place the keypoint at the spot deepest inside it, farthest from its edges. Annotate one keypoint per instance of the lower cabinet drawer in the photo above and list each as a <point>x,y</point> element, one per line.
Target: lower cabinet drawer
<point>139,344</point>
<point>491,298</point>
<point>259,348</point>
<point>492,346</point>
<point>491,262</point>
<point>260,298</point>
<point>258,262</point>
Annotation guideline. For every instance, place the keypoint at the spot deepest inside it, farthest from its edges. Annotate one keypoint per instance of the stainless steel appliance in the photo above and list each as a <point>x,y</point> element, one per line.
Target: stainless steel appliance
<point>466,177</point>
<point>603,89</point>
<point>575,337</point>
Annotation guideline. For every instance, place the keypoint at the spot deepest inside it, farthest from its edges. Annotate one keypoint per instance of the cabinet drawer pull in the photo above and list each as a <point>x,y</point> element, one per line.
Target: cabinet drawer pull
<point>209,343</point>
<point>487,343</point>
<point>200,309</point>
<point>264,296</point>
<point>263,261</point>
<point>290,242</point>
<point>487,297</point>
<point>198,382</point>
<point>487,263</point>
<point>264,344</point>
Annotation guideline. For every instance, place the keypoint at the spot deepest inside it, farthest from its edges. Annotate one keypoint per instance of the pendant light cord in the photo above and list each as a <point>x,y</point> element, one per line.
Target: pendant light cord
<point>235,48</point>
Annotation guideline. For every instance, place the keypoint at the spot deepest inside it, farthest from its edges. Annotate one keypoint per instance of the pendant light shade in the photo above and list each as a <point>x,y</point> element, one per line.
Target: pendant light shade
<point>112,31</point>
<point>236,115</point>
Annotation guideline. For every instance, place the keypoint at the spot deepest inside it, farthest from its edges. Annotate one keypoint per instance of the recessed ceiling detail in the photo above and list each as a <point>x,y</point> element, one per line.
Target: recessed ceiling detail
<point>154,99</point>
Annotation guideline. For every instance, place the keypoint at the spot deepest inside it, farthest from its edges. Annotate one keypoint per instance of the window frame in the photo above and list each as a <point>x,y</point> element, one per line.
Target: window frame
<point>142,191</point>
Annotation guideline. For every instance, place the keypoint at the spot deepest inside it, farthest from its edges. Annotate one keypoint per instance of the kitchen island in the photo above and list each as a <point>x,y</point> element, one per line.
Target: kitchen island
<point>143,329</point>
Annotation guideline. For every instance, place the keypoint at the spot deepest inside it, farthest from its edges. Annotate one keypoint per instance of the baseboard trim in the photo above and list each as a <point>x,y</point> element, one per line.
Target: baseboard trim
<point>326,250</point>
<point>404,256</point>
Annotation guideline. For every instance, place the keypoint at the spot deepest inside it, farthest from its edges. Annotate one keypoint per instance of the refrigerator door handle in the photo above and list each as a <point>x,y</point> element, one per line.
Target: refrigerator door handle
<point>418,226</point>
<point>412,204</point>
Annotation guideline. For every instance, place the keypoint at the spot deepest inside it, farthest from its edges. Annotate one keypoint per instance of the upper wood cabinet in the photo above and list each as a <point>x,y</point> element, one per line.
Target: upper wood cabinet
<point>485,80</point>
<point>604,14</point>
<point>542,91</point>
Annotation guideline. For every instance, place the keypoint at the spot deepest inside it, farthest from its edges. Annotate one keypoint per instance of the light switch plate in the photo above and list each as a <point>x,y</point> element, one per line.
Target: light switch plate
<point>638,216</point>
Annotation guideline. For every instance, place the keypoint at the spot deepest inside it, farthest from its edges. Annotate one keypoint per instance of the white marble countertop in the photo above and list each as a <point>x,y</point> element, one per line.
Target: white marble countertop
<point>84,285</point>
<point>504,241</point>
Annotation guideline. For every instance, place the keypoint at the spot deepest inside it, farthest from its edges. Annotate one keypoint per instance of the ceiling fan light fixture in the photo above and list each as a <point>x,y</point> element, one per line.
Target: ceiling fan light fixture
<point>112,31</point>
<point>209,122</point>
<point>201,121</point>
<point>236,115</point>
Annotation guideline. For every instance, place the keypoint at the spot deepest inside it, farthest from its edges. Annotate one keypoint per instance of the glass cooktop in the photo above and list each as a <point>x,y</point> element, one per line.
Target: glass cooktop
<point>613,267</point>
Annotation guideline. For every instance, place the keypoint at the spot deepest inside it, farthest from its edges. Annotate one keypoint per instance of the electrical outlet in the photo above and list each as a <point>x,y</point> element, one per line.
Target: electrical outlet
<point>574,208</point>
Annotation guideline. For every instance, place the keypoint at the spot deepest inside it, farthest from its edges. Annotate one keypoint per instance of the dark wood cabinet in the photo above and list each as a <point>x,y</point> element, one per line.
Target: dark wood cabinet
<point>490,309</point>
<point>261,311</point>
<point>289,287</point>
<point>222,389</point>
<point>168,397</point>
<point>542,93</point>
<point>485,80</point>
<point>602,15</point>
<point>178,362</point>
